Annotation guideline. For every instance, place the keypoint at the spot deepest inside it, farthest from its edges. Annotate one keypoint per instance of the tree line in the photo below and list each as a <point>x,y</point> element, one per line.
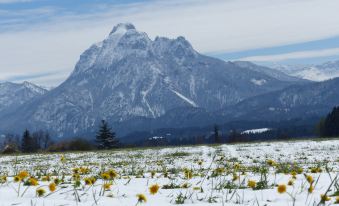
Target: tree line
<point>41,141</point>
<point>329,126</point>
<point>29,142</point>
<point>106,139</point>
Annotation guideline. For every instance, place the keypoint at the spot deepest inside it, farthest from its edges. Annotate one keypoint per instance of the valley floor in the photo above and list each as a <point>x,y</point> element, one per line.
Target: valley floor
<point>241,174</point>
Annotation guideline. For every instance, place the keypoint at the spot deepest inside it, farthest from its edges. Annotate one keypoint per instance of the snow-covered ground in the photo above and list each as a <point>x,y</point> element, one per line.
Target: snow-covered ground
<point>201,175</point>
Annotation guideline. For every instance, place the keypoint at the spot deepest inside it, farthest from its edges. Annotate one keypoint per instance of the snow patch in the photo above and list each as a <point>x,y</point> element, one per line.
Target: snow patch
<point>256,131</point>
<point>258,82</point>
<point>155,138</point>
<point>191,102</point>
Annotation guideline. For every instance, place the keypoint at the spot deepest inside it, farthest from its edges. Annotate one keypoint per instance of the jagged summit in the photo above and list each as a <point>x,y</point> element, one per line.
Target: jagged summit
<point>125,41</point>
<point>122,28</point>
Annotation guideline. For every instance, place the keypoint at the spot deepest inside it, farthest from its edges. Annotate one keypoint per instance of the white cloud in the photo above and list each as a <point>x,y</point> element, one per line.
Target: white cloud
<point>293,55</point>
<point>13,1</point>
<point>210,25</point>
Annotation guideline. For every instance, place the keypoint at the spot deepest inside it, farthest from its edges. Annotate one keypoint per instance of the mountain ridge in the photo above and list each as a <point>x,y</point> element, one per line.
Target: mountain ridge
<point>129,76</point>
<point>13,95</point>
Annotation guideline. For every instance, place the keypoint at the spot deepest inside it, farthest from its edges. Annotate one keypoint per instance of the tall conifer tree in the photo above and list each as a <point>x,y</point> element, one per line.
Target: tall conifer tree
<point>26,142</point>
<point>105,138</point>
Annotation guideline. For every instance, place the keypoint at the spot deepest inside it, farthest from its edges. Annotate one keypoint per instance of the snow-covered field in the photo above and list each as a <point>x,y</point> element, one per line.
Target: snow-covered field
<point>241,174</point>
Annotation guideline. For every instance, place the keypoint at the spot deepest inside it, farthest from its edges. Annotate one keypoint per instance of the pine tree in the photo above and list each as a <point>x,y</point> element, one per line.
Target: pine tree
<point>330,126</point>
<point>26,142</point>
<point>105,138</point>
<point>216,134</point>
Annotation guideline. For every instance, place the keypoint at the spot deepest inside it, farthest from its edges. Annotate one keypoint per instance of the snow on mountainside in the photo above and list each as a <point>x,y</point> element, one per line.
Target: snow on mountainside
<point>320,72</point>
<point>256,131</point>
<point>268,71</point>
<point>299,101</point>
<point>13,95</point>
<point>128,75</point>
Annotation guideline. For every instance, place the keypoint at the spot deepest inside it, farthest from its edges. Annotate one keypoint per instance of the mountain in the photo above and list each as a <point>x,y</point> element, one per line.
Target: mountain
<point>13,95</point>
<point>321,72</point>
<point>269,71</point>
<point>295,102</point>
<point>128,76</point>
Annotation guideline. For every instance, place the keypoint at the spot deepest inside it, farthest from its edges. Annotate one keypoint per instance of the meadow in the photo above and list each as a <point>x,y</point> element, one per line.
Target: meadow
<point>266,173</point>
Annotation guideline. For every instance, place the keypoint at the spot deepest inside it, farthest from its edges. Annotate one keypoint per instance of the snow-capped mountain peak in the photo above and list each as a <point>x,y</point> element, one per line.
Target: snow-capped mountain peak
<point>321,72</point>
<point>122,28</point>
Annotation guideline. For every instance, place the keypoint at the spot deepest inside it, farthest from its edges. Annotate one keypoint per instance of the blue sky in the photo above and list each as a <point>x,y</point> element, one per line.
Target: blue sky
<point>41,40</point>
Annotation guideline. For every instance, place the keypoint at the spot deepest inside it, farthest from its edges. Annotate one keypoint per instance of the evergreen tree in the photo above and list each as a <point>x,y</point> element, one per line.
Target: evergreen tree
<point>105,138</point>
<point>330,126</point>
<point>217,138</point>
<point>26,142</point>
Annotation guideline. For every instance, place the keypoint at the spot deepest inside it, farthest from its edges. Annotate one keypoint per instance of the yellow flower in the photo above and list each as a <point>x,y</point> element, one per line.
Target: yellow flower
<point>235,177</point>
<point>40,192</point>
<point>290,182</point>
<point>309,179</point>
<point>33,181</point>
<point>188,174</point>
<point>76,177</point>
<point>75,170</point>
<point>52,187</point>
<point>324,198</point>
<point>316,170</point>
<point>57,181</point>
<point>17,179</point>
<point>113,174</point>
<point>88,181</point>
<point>45,178</point>
<point>185,185</point>
<point>3,179</point>
<point>154,189</point>
<point>294,174</point>
<point>251,183</point>
<point>62,159</point>
<point>271,162</point>
<point>84,170</point>
<point>300,170</point>
<point>107,186</point>
<point>23,174</point>
<point>93,180</point>
<point>105,176</point>
<point>220,170</point>
<point>337,200</point>
<point>281,189</point>
<point>141,198</point>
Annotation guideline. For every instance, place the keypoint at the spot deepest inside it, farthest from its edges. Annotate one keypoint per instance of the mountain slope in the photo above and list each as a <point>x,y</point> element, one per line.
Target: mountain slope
<point>130,76</point>
<point>302,101</point>
<point>269,71</point>
<point>13,95</point>
<point>321,72</point>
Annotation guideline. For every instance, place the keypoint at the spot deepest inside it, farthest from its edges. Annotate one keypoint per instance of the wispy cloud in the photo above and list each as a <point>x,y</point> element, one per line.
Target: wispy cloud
<point>42,78</point>
<point>211,25</point>
<point>13,1</point>
<point>293,55</point>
